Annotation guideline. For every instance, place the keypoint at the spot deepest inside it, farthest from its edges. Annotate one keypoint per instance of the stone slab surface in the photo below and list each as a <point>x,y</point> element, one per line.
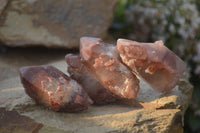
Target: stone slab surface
<point>149,112</point>
<point>53,23</point>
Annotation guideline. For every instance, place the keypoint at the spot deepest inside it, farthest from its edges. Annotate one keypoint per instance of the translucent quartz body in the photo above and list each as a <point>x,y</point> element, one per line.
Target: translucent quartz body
<point>52,88</point>
<point>154,62</point>
<point>104,63</point>
<point>94,89</point>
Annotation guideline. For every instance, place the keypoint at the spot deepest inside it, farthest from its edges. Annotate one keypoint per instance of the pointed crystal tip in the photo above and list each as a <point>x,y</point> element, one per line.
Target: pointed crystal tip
<point>86,41</point>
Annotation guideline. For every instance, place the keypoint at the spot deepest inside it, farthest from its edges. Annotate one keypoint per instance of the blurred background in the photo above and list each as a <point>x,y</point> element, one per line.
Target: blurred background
<point>177,23</point>
<point>59,24</point>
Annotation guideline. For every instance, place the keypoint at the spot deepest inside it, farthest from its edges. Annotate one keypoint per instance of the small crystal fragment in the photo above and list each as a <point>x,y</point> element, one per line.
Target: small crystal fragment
<point>154,62</point>
<point>52,88</point>
<point>94,89</point>
<point>103,61</point>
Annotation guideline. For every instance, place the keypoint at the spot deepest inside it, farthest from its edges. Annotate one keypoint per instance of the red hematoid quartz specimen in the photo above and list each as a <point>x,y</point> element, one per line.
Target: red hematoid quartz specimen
<point>154,62</point>
<point>52,88</point>
<point>103,61</point>
<point>79,72</point>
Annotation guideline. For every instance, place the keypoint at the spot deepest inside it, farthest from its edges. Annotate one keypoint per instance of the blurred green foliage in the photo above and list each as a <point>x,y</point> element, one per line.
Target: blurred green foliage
<point>177,23</point>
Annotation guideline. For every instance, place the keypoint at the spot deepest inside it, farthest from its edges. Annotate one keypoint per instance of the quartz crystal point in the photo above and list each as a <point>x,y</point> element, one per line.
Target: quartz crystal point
<point>154,62</point>
<point>52,88</point>
<point>103,61</point>
<point>94,89</point>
